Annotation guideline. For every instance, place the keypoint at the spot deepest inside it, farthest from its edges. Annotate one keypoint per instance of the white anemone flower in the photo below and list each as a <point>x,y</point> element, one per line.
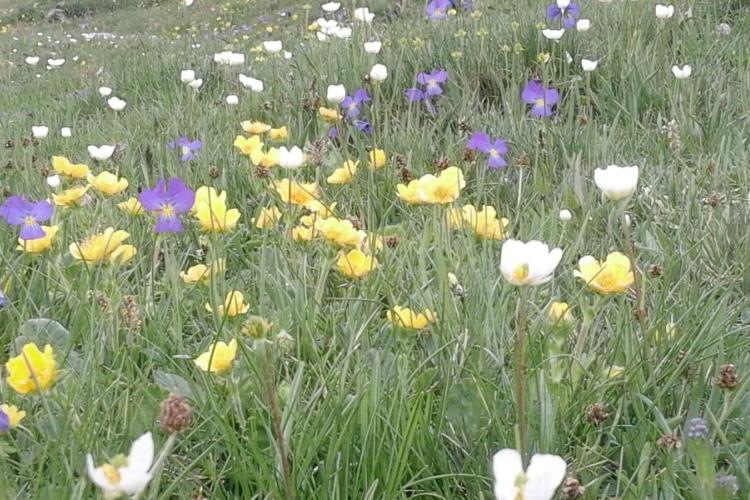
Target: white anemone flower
<point>196,84</point>
<point>553,34</point>
<point>233,100</point>
<point>373,47</point>
<point>292,158</point>
<point>187,75</point>
<point>331,6</point>
<point>32,60</point>
<point>682,73</point>
<point>531,263</point>
<point>55,63</point>
<point>583,25</point>
<point>39,131</point>
<point>116,103</point>
<point>101,153</point>
<point>336,94</point>
<point>105,91</point>
<point>538,482</point>
<point>378,73</point>
<point>664,11</point>
<point>589,65</point>
<point>251,83</point>
<point>125,475</point>
<point>364,15</point>
<point>66,132</point>
<point>615,182</point>
<point>272,46</point>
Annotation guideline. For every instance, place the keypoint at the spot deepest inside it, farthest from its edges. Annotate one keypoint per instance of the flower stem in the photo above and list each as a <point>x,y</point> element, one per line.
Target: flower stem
<point>640,299</point>
<point>520,366</point>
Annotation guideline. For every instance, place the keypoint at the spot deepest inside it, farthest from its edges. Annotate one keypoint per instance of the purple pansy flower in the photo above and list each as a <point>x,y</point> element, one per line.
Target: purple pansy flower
<point>438,9</point>
<point>351,103</point>
<point>569,15</point>
<point>363,126</point>
<point>541,98</point>
<point>4,422</point>
<point>414,94</point>
<point>18,211</point>
<point>187,148</point>
<point>169,199</point>
<point>433,81</point>
<point>479,141</point>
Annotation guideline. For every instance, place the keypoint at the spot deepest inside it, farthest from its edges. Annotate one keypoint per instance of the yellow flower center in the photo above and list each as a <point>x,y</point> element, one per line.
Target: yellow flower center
<point>29,220</point>
<point>493,152</point>
<point>167,210</point>
<point>606,280</point>
<point>539,103</point>
<point>520,273</point>
<point>110,472</point>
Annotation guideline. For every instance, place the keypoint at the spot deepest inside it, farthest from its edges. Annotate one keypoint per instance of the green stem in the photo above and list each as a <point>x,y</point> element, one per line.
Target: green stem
<point>520,367</point>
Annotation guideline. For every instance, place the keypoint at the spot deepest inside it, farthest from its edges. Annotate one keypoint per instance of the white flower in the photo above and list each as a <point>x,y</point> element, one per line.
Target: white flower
<point>342,33</point>
<point>568,57</point>
<point>588,65</point>
<point>321,36</point>
<point>54,181</point>
<point>331,6</point>
<point>236,59</point>
<point>336,94</point>
<point>682,73</point>
<point>66,132</point>
<point>39,131</point>
<point>531,263</point>
<point>373,47</point>
<point>31,60</point>
<point>363,14</point>
<point>287,54</point>
<point>565,215</point>
<point>251,83</point>
<point>55,63</point>
<point>187,3</point>
<point>292,158</point>
<point>378,73</point>
<point>101,153</point>
<point>233,100</point>
<point>563,4</point>
<point>196,84</point>
<point>272,46</point>
<point>105,91</point>
<point>125,475</point>
<point>326,24</point>
<point>539,482</point>
<point>721,29</point>
<point>116,103</point>
<point>583,25</point>
<point>664,11</point>
<point>187,75</point>
<point>616,182</point>
<point>553,34</point>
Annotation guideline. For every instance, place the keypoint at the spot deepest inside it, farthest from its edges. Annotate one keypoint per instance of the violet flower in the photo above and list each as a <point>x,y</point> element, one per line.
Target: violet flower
<point>187,148</point>
<point>363,126</point>
<point>18,211</point>
<point>568,15</point>
<point>542,99</point>
<point>433,81</point>
<point>414,94</point>
<point>4,422</point>
<point>351,104</point>
<point>438,9</point>
<point>168,199</point>
<point>479,141</point>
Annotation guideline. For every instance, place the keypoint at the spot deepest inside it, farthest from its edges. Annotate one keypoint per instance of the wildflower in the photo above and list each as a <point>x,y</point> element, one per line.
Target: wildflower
<point>296,193</point>
<point>54,181</point>
<point>131,206</point>
<point>351,104</point>
<point>682,73</point>
<point>201,273</point>
<point>340,232</point>
<point>329,115</point>
<point>255,128</point>
<point>495,150</point>
<point>187,75</point>
<point>565,11</point>
<point>266,159</point>
<point>248,145</point>
<point>229,58</point>
<point>18,211</point>
<point>565,215</point>
<point>186,147</point>
<point>272,46</point>
<point>588,65</point>
<point>125,475</point>
<point>267,218</point>
<point>484,223</point>
<point>104,91</point>
<point>406,318</point>
<point>335,94</point>
<point>303,233</point>
<point>445,188</point>
<point>32,60</point>
<point>32,370</point>
<point>373,47</point>
<point>39,131</point>
<point>583,25</point>
<point>541,98</point>
<point>108,183</point>
<point>168,199</point>
<point>175,414</point>
<point>538,482</point>
<point>727,486</point>
<point>104,246</point>
<point>378,73</point>
<point>664,11</point>
<point>116,103</point>
<point>39,245</point>
<point>331,6</point>
<point>55,63</point>
<point>292,158</point>
<point>377,158</point>
<point>531,263</point>
<point>218,358</point>
<point>616,183</point>
<point>364,15</point>
<point>234,305</point>
<point>613,275</point>
<point>278,134</point>
<point>66,132</point>
<point>63,166</point>
<point>696,428</point>
<point>356,263</point>
<point>13,414</point>
<point>196,84</point>
<point>554,35</point>
<point>438,9</point>
<point>433,82</point>
<point>70,197</point>
<point>211,210</point>
<point>343,174</point>
<point>560,313</point>
<point>251,83</point>
<point>100,153</point>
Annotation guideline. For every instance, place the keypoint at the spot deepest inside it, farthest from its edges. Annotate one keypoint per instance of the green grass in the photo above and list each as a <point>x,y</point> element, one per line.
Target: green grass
<point>369,411</point>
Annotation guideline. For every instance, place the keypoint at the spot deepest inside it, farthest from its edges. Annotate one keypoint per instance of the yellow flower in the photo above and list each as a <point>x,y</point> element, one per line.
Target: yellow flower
<point>543,57</point>
<point>455,217</point>
<point>377,158</point>
<point>108,183</point>
<point>70,197</point>
<point>218,358</point>
<point>248,145</point>
<point>214,216</point>
<point>297,193</point>
<point>202,273</point>
<point>104,246</point>
<point>234,305</point>
<point>355,263</point>
<point>330,115</point>
<point>268,159</point>
<point>131,206</point>
<point>303,233</point>
<point>560,313</point>
<point>613,371</point>
<point>320,209</point>
<point>611,276</point>
<point>40,245</point>
<point>406,318</point>
<point>410,193</point>
<point>32,370</point>
<point>267,218</point>
<point>445,188</point>
<point>484,222</point>
<point>341,232</point>
<point>278,134</point>
<point>255,128</point>
<point>14,414</point>
<point>63,166</point>
<point>207,194</point>
<point>343,174</point>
